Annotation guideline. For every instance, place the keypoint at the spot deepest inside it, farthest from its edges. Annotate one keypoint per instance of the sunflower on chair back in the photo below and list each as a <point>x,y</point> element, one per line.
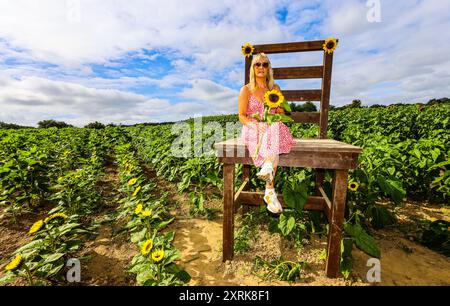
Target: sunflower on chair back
<point>330,45</point>
<point>247,50</point>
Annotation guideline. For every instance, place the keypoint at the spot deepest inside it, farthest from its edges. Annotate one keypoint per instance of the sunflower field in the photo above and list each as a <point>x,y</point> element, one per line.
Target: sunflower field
<point>62,189</point>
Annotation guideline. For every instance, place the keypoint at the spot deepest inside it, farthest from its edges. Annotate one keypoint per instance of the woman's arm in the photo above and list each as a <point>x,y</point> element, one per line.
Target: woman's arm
<point>243,104</point>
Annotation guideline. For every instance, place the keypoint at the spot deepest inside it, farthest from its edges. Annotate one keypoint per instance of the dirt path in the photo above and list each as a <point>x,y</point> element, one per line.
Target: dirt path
<point>108,254</point>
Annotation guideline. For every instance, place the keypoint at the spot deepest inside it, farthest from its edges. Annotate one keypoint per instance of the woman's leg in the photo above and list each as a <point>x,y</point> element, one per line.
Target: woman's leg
<point>274,159</point>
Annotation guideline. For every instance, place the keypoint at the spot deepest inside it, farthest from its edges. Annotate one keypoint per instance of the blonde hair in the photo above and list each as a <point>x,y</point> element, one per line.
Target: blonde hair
<point>269,78</point>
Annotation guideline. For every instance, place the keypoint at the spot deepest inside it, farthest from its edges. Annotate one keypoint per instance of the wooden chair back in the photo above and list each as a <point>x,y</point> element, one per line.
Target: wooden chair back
<point>308,72</point>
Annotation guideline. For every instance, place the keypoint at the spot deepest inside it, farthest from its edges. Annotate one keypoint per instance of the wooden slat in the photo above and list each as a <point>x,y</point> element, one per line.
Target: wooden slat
<point>325,197</point>
<point>307,145</point>
<point>256,198</point>
<point>305,117</point>
<point>248,61</point>
<point>327,160</point>
<point>337,218</point>
<point>302,95</point>
<point>228,211</point>
<point>325,98</point>
<point>313,45</point>
<point>311,72</point>
<point>242,187</point>
<point>245,176</point>
<point>319,179</point>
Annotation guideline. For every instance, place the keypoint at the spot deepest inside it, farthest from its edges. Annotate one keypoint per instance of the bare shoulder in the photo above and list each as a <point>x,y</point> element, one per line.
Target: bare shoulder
<point>275,86</point>
<point>245,90</point>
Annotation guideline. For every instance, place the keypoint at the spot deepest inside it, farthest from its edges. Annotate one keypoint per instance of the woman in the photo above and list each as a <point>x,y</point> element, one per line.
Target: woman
<point>275,138</point>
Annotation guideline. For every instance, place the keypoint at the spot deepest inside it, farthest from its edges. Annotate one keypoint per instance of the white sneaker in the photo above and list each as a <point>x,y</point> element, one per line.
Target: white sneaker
<point>266,172</point>
<point>273,205</point>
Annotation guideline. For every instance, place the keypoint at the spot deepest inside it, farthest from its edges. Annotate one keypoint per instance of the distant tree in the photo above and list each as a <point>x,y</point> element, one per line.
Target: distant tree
<point>332,107</point>
<point>293,106</point>
<point>355,104</point>
<point>438,101</point>
<point>110,124</point>
<point>52,123</point>
<point>95,125</point>
<point>376,106</point>
<point>309,107</point>
<point>306,107</point>
<point>4,125</point>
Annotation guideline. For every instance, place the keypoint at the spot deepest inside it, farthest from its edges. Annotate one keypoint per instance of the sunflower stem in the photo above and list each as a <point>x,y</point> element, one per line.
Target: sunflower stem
<point>29,276</point>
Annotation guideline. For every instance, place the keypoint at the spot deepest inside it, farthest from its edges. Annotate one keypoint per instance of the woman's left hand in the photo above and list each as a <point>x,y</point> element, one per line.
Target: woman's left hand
<point>279,110</point>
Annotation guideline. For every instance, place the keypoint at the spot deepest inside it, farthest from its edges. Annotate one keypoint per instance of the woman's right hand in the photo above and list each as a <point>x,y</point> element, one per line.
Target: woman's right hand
<point>252,125</point>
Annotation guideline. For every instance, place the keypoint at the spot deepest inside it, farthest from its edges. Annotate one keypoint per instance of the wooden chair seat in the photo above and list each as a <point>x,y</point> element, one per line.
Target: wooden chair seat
<point>307,152</point>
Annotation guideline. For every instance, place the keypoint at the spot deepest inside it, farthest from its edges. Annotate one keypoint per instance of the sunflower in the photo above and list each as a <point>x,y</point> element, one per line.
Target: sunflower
<point>147,213</point>
<point>132,181</point>
<point>138,188</point>
<point>158,255</point>
<point>56,216</point>
<point>247,50</point>
<point>330,45</point>
<point>14,264</point>
<point>273,98</point>
<point>36,227</point>
<point>138,209</point>
<point>353,186</point>
<point>146,247</point>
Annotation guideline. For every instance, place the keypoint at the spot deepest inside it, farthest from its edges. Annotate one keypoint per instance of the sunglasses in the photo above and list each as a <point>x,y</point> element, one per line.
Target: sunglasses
<point>265,64</point>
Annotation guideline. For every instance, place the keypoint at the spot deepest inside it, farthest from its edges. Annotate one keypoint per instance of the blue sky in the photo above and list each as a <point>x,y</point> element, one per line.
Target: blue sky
<point>148,61</point>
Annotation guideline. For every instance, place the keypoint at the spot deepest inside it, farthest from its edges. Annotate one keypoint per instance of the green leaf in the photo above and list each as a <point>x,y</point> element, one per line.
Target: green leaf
<point>296,198</point>
<point>286,106</point>
<point>285,118</point>
<point>138,236</point>
<point>164,223</point>
<point>178,272</point>
<point>53,257</point>
<point>346,263</point>
<point>380,217</point>
<point>286,225</point>
<point>393,188</point>
<point>9,277</point>
<point>363,240</point>
<point>256,116</point>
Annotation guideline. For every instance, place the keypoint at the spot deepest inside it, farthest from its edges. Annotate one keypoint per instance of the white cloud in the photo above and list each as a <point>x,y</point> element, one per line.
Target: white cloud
<point>33,99</point>
<point>46,54</point>
<point>217,99</point>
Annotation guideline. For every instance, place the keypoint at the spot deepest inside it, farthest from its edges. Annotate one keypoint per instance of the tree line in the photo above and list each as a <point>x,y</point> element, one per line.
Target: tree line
<point>304,107</point>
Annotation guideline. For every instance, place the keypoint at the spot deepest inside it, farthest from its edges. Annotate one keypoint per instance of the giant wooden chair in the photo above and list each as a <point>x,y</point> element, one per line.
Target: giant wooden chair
<point>320,154</point>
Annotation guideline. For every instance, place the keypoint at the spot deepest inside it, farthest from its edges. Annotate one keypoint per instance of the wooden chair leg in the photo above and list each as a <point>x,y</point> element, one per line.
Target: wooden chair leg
<point>336,222</point>
<point>320,178</point>
<point>246,174</point>
<point>228,211</point>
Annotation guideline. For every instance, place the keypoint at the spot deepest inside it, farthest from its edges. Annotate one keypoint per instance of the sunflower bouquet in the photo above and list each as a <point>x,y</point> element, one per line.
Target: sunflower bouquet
<point>273,99</point>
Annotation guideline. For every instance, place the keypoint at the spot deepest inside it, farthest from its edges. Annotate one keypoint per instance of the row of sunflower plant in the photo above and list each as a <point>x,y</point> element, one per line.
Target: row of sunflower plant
<point>146,218</point>
<point>31,160</point>
<point>57,238</point>
<point>192,173</point>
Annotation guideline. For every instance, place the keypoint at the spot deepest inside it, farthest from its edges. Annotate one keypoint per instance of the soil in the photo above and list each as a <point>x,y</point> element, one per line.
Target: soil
<point>109,253</point>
